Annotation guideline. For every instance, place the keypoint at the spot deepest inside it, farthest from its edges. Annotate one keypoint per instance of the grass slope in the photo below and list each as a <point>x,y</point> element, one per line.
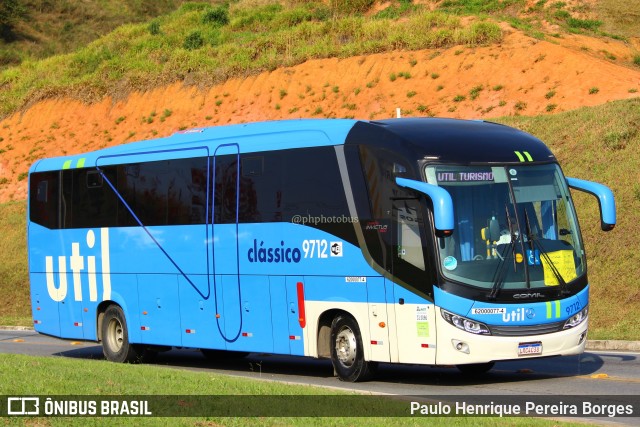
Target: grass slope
<point>599,143</point>
<point>42,28</point>
<point>207,42</point>
<point>203,44</point>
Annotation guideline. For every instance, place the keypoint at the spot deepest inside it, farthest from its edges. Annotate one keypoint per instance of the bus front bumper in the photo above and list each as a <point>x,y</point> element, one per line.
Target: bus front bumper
<point>457,347</point>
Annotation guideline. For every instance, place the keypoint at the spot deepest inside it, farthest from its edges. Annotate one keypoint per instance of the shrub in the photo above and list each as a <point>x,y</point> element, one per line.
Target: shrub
<point>193,41</point>
<point>475,92</point>
<point>218,15</point>
<point>154,28</point>
<point>585,24</point>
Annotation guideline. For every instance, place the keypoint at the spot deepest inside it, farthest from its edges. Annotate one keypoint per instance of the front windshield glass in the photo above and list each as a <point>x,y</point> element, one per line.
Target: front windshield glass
<point>515,227</point>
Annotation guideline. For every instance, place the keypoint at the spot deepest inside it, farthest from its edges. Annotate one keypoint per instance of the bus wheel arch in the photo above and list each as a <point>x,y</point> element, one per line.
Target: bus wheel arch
<point>102,307</point>
<point>324,332</point>
<point>114,335</point>
<point>347,350</point>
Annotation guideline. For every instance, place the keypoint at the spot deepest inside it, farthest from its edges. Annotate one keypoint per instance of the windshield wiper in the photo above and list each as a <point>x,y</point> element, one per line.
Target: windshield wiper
<point>500,274</point>
<point>535,244</point>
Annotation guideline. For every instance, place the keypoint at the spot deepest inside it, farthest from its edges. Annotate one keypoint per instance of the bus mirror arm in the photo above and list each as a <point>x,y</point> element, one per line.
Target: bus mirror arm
<point>442,203</point>
<point>605,198</point>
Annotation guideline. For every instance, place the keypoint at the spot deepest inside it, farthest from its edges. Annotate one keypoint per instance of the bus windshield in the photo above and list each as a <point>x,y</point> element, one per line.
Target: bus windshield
<point>515,227</point>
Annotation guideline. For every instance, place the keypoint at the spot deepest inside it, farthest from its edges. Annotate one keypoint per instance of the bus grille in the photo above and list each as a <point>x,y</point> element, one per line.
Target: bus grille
<point>524,330</point>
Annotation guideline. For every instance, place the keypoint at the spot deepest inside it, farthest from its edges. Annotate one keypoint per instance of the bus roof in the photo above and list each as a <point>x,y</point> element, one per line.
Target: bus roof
<point>248,137</point>
<point>447,140</point>
<point>454,140</point>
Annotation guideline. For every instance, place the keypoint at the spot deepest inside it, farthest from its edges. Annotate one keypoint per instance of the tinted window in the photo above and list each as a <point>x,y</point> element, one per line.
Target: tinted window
<point>395,233</point>
<point>43,198</point>
<point>278,185</point>
<point>167,192</point>
<point>87,201</point>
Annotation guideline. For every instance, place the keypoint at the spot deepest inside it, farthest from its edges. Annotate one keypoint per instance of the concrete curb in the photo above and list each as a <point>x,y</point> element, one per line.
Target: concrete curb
<point>16,328</point>
<point>613,345</point>
<point>598,345</point>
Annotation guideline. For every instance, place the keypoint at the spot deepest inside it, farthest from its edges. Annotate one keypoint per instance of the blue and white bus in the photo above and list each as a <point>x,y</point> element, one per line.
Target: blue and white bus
<point>420,241</point>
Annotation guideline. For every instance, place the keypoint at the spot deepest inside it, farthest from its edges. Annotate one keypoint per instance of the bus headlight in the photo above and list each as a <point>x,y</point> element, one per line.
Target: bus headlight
<point>465,324</point>
<point>576,319</point>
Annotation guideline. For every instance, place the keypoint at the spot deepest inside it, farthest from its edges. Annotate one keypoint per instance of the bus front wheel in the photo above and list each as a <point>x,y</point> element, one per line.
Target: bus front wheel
<point>115,338</point>
<point>347,352</point>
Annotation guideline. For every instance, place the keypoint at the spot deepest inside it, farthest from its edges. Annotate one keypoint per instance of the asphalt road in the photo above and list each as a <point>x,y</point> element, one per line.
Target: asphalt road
<point>598,374</point>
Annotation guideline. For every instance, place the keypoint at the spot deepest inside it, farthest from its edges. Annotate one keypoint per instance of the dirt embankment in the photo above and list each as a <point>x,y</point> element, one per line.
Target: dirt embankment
<point>520,76</point>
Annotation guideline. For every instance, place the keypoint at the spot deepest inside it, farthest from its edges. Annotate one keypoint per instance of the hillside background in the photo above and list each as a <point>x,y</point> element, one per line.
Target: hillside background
<point>82,75</point>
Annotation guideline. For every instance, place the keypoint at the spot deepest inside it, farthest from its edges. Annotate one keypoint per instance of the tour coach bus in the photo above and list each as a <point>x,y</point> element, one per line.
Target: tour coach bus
<point>422,241</point>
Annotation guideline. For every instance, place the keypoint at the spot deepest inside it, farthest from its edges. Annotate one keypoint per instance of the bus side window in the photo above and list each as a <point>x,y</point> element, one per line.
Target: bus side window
<point>44,199</point>
<point>409,236</point>
<point>42,192</point>
<point>224,181</point>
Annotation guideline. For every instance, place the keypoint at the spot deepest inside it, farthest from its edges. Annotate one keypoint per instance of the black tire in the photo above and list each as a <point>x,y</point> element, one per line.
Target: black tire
<point>115,338</point>
<point>347,352</point>
<point>218,355</point>
<point>475,368</point>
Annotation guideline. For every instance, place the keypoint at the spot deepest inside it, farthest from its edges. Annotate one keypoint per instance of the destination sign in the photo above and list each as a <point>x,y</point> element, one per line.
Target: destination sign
<point>466,176</point>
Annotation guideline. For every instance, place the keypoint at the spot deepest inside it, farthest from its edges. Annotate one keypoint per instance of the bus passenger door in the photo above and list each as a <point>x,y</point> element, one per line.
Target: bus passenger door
<point>225,271</point>
<point>380,344</point>
<point>414,313</point>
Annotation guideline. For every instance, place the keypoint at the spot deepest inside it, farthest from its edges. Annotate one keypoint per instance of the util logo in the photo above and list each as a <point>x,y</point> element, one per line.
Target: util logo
<point>77,265</point>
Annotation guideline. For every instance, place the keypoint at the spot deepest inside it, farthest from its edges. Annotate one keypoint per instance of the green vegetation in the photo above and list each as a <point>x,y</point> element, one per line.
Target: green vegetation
<point>57,376</point>
<point>396,11</point>
<point>475,91</point>
<point>213,43</point>
<point>520,106</point>
<point>615,18</point>
<point>36,29</point>
<point>479,7</point>
<point>95,48</point>
<point>619,17</point>
<point>14,281</point>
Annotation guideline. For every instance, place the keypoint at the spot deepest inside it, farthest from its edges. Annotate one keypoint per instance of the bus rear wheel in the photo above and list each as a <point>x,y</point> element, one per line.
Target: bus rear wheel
<point>347,352</point>
<point>115,338</point>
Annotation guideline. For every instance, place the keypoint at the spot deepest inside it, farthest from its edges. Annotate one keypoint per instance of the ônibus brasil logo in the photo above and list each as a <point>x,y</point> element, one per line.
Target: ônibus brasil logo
<point>77,265</point>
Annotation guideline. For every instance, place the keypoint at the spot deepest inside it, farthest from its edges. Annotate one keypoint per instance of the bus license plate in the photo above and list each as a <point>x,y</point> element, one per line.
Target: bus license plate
<point>529,348</point>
